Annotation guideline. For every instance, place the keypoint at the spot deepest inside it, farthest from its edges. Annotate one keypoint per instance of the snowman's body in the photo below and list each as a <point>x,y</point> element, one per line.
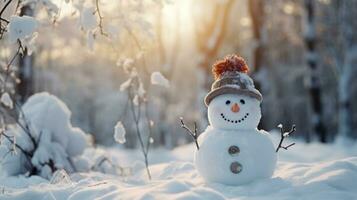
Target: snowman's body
<point>235,157</point>
<point>232,150</point>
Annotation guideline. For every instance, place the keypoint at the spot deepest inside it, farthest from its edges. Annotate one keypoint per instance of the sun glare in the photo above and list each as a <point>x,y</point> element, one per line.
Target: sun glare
<point>178,13</point>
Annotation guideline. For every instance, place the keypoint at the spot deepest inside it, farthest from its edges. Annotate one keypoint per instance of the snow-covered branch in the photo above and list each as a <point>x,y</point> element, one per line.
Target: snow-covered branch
<point>284,135</point>
<point>137,101</point>
<point>137,116</point>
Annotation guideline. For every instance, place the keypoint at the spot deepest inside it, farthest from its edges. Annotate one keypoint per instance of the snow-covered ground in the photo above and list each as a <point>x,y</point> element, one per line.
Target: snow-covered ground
<point>306,171</point>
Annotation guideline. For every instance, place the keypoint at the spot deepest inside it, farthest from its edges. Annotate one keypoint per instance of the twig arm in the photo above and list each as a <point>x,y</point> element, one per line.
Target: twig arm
<point>284,135</point>
<point>193,134</point>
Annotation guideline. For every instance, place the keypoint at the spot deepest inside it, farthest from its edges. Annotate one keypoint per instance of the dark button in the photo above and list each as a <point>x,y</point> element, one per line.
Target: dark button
<point>236,167</point>
<point>233,150</point>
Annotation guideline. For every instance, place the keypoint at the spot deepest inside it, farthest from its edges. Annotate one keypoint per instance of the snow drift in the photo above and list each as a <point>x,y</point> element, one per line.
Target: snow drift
<point>47,136</point>
<point>175,177</point>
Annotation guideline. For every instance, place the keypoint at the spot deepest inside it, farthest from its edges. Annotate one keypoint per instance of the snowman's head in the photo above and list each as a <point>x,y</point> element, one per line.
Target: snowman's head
<point>233,102</point>
<point>234,111</point>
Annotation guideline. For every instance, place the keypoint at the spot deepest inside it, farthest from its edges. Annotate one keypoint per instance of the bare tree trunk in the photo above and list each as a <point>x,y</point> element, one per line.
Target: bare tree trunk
<point>346,61</point>
<point>344,92</point>
<point>26,70</point>
<point>209,38</point>
<point>314,86</point>
<point>256,11</point>
<point>257,14</point>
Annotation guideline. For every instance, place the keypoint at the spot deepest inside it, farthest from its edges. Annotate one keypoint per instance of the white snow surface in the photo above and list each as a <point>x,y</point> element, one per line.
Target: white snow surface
<point>306,171</point>
<point>45,112</point>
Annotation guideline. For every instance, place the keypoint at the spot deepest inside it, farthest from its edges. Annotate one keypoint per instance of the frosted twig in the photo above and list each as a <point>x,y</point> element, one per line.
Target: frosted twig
<point>3,28</point>
<point>149,125</point>
<point>283,136</point>
<point>7,68</point>
<point>10,139</point>
<point>193,134</point>
<point>25,127</point>
<point>5,20</point>
<point>100,18</point>
<point>5,6</point>
<point>138,132</point>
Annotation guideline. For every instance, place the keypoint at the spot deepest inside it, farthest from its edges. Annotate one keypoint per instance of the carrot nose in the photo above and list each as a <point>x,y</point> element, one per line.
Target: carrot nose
<point>235,108</point>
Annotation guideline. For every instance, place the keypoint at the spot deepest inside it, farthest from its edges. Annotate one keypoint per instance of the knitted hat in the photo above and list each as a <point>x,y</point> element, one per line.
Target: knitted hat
<point>231,78</point>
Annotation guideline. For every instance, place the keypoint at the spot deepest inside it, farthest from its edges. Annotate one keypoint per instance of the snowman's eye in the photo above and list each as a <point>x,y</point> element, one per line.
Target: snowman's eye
<point>242,101</point>
<point>228,102</point>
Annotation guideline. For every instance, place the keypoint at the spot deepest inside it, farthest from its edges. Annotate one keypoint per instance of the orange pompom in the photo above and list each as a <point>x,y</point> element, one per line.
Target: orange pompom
<point>231,63</point>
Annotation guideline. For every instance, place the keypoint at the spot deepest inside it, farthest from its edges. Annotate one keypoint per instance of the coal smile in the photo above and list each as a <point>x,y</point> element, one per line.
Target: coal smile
<point>235,121</point>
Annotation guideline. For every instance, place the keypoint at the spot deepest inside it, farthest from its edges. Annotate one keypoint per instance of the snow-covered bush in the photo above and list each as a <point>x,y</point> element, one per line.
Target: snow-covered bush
<point>43,139</point>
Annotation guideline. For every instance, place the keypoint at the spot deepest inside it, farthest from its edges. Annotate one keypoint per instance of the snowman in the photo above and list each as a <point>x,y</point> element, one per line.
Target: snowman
<point>232,150</point>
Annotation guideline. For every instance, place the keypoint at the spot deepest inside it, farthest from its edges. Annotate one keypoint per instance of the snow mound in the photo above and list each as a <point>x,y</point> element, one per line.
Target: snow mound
<point>46,112</point>
<point>175,179</point>
<point>51,142</point>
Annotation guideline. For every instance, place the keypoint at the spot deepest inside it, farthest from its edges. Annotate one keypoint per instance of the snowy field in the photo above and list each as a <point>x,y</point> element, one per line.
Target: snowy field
<point>145,64</point>
<point>311,171</point>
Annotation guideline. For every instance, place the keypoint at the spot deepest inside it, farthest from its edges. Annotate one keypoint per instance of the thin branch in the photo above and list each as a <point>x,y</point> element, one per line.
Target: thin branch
<point>286,148</point>
<point>27,154</point>
<point>149,125</point>
<point>193,134</point>
<point>26,128</point>
<point>22,127</point>
<point>138,133</point>
<point>5,6</point>
<point>7,68</point>
<point>100,18</point>
<point>3,28</point>
<point>284,135</point>
<point>144,150</point>
<point>5,20</point>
